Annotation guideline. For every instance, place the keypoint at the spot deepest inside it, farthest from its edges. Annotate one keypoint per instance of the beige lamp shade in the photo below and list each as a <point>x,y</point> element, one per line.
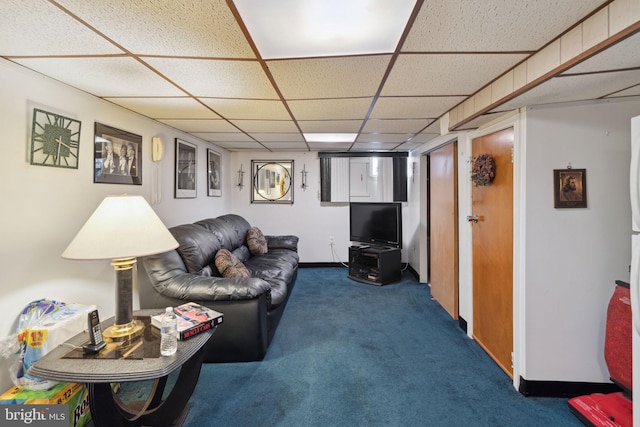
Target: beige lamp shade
<point>121,227</point>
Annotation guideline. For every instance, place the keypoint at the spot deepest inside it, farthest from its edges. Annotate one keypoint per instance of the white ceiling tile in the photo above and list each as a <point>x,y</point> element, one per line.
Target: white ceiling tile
<point>384,137</point>
<point>160,27</point>
<point>441,74</point>
<point>330,126</point>
<point>256,109</point>
<point>395,126</point>
<point>286,146</point>
<point>329,77</point>
<point>331,109</point>
<point>201,126</point>
<point>632,91</point>
<point>166,108</point>
<point>223,136</point>
<point>111,77</point>
<point>267,126</point>
<point>35,27</point>
<point>216,78</point>
<point>235,146</point>
<point>623,54</point>
<point>329,146</point>
<point>374,146</point>
<point>278,137</point>
<point>492,25</point>
<point>575,88</point>
<point>413,107</point>
<point>423,137</point>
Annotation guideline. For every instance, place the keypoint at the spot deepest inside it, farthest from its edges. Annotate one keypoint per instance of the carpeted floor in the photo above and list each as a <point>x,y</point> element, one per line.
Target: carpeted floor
<point>352,354</point>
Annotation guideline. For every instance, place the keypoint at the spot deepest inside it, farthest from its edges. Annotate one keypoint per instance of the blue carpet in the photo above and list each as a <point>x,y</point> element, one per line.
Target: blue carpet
<point>351,354</point>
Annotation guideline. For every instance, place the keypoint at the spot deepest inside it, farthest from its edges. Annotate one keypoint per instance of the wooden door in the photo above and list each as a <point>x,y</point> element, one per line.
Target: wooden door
<point>493,251</point>
<point>443,245</point>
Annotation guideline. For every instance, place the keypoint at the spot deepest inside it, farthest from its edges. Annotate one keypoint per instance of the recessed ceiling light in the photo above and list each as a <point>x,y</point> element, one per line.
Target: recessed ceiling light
<point>330,137</point>
<point>295,29</point>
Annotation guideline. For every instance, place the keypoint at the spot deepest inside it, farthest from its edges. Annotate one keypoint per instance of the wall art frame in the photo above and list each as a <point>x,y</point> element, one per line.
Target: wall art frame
<point>214,173</point>
<point>186,170</point>
<point>570,188</point>
<point>272,181</point>
<point>117,156</point>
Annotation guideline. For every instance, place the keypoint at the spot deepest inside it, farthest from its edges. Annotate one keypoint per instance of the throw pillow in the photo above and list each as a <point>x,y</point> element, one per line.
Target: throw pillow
<point>256,241</point>
<point>230,266</point>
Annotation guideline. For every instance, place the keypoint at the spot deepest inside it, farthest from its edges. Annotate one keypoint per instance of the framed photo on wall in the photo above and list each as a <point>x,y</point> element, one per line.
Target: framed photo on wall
<point>117,156</point>
<point>214,174</point>
<point>186,168</point>
<point>570,188</point>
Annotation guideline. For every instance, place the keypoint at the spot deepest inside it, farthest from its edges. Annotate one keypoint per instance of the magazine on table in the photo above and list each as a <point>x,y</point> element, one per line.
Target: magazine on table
<point>193,319</point>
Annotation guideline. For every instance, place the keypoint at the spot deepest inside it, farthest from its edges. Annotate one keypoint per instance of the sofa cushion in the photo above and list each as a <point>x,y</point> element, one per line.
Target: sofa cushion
<point>230,266</point>
<point>198,246</point>
<point>256,241</point>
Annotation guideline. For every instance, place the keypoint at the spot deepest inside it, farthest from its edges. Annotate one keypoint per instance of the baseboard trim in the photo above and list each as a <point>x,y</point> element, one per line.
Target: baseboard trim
<point>563,388</point>
<point>320,264</point>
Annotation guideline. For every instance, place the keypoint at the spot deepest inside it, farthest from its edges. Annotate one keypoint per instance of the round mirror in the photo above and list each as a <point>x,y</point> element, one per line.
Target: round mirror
<point>272,182</point>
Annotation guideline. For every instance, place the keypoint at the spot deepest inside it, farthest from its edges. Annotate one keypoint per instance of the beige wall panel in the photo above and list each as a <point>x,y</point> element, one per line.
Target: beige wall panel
<point>520,76</point>
<point>483,98</point>
<point>543,61</point>
<point>623,13</point>
<point>502,87</point>
<point>571,44</point>
<point>595,29</point>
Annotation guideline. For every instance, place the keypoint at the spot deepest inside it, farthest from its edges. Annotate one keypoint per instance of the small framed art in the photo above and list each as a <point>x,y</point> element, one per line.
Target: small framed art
<point>55,140</point>
<point>214,173</point>
<point>186,167</point>
<point>117,156</point>
<point>570,188</point>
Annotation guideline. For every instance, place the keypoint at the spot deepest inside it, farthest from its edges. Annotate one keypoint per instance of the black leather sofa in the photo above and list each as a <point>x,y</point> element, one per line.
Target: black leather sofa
<point>252,306</point>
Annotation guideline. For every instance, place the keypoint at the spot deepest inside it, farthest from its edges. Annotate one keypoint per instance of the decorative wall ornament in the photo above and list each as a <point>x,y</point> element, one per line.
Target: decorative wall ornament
<point>272,181</point>
<point>55,140</point>
<point>483,170</point>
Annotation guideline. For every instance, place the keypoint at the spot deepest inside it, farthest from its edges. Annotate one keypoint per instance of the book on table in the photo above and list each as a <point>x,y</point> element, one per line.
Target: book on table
<point>193,319</point>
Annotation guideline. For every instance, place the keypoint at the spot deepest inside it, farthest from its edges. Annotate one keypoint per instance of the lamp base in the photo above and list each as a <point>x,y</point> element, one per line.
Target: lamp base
<point>117,333</point>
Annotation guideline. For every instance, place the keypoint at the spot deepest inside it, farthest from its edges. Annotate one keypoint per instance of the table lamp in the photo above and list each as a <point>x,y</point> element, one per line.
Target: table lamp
<point>121,229</point>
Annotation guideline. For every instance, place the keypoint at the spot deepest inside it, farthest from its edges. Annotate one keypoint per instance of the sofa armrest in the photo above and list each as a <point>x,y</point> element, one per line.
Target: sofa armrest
<point>283,242</point>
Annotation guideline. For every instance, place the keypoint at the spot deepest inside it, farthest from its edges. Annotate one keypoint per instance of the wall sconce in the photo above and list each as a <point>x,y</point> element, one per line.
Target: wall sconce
<point>240,177</point>
<point>304,177</point>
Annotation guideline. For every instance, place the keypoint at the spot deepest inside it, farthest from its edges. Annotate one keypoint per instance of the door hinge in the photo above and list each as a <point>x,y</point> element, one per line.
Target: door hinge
<point>511,154</point>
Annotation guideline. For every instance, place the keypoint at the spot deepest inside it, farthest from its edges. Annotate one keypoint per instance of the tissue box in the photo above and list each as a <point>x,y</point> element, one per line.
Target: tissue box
<point>72,394</point>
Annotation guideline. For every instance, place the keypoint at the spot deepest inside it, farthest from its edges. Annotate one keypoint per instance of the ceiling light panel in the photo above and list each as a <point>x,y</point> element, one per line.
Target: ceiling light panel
<point>166,108</point>
<point>330,137</point>
<point>296,29</point>
<point>217,78</point>
<point>329,77</point>
<point>160,27</point>
<point>330,126</point>
<point>105,77</point>
<point>499,25</point>
<point>39,28</point>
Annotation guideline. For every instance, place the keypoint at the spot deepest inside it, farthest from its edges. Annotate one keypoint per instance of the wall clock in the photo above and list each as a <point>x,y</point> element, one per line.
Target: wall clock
<point>55,140</point>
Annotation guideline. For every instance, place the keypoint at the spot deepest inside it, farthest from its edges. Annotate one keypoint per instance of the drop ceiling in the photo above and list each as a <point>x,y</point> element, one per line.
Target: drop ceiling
<point>195,66</point>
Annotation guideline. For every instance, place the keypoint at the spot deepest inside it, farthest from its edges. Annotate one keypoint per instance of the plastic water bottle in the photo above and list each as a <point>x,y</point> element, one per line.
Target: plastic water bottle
<point>169,333</point>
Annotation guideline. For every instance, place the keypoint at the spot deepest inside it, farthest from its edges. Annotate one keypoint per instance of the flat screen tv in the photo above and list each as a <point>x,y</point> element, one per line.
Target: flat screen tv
<point>376,223</point>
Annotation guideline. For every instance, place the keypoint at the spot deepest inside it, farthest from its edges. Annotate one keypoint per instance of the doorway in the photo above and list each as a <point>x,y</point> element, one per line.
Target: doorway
<point>443,226</point>
<point>492,246</point>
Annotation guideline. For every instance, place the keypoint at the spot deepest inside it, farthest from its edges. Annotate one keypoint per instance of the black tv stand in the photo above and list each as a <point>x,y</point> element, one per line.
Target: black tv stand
<point>375,265</point>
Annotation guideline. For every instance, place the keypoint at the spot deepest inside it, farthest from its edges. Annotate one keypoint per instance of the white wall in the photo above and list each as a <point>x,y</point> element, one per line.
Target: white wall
<point>44,207</point>
<point>574,256</point>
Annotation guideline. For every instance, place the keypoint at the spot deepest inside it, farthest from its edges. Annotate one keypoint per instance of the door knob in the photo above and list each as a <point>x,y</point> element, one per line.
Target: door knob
<point>473,218</point>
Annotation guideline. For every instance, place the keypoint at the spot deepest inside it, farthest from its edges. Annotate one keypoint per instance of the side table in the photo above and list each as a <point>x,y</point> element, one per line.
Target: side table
<point>107,409</point>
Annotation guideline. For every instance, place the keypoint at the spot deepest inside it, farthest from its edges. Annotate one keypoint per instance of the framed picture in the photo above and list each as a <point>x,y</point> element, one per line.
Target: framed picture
<point>570,188</point>
<point>117,157</point>
<point>214,173</point>
<point>186,167</point>
<point>272,181</point>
